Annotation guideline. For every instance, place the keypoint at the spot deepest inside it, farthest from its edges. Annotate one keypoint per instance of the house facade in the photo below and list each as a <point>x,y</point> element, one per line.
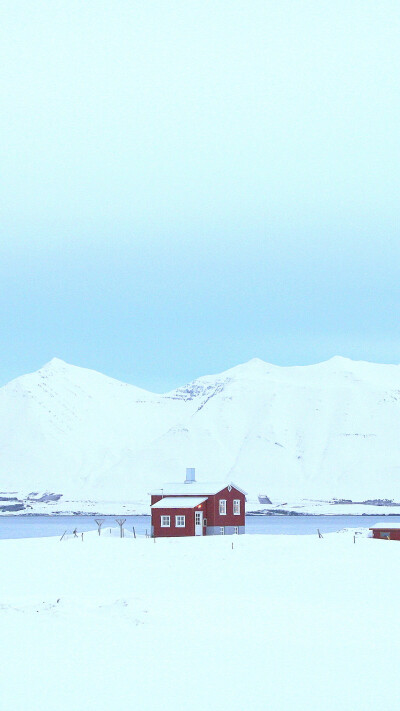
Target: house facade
<point>197,509</point>
<point>390,531</point>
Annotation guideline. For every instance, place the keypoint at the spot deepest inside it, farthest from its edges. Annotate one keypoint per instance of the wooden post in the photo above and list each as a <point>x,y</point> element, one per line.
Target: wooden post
<point>134,532</point>
<point>99,522</point>
<point>82,537</point>
<point>120,522</point>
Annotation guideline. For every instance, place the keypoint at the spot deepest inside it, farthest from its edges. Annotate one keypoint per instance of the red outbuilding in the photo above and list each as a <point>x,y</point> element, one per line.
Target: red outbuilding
<point>197,508</point>
<point>390,531</point>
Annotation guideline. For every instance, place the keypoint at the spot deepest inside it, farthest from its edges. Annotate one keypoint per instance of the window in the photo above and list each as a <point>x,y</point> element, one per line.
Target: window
<point>222,530</point>
<point>180,521</point>
<point>165,521</point>
<point>236,530</point>
<point>222,507</point>
<point>236,507</point>
<point>204,522</point>
<point>385,534</point>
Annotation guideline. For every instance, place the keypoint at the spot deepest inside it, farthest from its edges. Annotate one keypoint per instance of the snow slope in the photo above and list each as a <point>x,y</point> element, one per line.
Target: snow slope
<point>288,622</point>
<point>316,432</point>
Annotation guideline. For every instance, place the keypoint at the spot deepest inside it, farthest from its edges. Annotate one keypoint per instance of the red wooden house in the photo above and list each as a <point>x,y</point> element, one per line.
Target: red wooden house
<point>197,509</point>
<point>387,530</point>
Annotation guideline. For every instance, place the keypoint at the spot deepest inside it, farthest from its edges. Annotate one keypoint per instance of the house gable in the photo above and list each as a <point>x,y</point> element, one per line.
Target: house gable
<point>219,505</point>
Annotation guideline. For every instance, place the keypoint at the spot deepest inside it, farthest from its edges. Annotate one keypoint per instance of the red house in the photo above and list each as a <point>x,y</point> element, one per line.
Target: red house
<point>388,530</point>
<point>197,509</point>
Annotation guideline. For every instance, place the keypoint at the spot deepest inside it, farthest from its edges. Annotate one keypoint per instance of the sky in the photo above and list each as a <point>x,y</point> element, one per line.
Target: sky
<point>188,185</point>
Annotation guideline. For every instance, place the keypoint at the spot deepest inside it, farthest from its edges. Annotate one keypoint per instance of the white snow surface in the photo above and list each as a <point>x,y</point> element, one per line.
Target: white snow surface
<point>277,622</point>
<point>310,432</point>
<point>195,487</point>
<point>179,502</point>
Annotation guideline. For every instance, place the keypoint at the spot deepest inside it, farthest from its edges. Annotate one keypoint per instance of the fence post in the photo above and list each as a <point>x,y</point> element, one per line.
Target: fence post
<point>120,522</point>
<point>99,522</point>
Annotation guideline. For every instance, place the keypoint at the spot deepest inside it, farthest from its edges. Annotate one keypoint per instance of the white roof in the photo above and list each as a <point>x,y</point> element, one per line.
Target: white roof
<point>386,525</point>
<point>204,488</point>
<point>179,502</point>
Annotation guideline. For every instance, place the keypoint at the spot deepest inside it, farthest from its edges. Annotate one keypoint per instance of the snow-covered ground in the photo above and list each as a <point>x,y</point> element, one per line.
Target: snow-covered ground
<point>324,508</point>
<point>109,508</point>
<point>277,622</point>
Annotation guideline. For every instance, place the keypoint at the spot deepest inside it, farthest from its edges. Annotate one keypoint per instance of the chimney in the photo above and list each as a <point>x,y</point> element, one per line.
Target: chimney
<point>190,474</point>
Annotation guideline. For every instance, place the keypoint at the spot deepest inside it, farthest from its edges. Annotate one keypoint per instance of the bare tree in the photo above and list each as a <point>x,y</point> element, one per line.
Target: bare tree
<point>120,522</point>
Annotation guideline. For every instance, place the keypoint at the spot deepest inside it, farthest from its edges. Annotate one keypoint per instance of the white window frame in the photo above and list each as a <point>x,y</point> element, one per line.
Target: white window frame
<point>222,530</point>
<point>236,504</point>
<point>236,530</point>
<point>222,505</point>
<point>180,525</point>
<point>165,525</point>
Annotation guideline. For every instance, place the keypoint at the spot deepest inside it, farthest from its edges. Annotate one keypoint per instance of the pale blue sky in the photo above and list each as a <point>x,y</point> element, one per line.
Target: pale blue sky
<point>187,185</point>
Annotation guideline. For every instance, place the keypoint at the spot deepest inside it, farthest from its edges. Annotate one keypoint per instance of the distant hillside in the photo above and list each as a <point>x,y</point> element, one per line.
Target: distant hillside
<point>325,430</point>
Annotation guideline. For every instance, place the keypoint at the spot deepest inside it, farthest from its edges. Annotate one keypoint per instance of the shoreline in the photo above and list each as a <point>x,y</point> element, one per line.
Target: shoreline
<point>253,514</point>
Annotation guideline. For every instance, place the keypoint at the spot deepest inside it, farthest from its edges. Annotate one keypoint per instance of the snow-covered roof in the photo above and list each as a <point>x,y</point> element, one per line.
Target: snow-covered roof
<point>385,525</point>
<point>179,502</point>
<point>204,488</point>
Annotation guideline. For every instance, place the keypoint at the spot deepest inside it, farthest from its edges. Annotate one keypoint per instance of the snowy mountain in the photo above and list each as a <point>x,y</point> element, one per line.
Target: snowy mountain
<point>318,431</point>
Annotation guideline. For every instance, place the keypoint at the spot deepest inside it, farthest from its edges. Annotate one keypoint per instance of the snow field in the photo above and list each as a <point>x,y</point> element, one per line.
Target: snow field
<point>276,623</point>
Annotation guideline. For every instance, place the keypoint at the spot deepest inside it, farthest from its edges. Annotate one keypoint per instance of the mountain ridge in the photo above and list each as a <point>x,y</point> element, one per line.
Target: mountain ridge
<point>325,430</point>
